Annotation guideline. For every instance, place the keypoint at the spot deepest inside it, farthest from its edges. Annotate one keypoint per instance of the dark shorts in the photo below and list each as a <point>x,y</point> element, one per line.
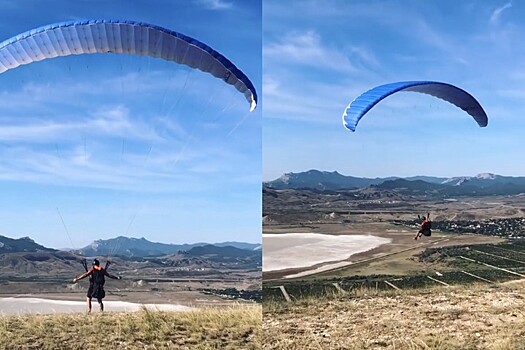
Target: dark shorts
<point>96,292</point>
<point>426,233</point>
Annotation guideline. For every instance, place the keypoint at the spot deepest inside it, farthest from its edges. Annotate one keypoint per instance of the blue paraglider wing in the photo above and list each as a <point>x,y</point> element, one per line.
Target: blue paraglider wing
<point>117,36</point>
<point>462,99</point>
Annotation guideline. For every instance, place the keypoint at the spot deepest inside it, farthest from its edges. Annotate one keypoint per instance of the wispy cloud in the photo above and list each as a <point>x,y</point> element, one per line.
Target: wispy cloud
<point>215,4</point>
<point>429,35</point>
<point>113,121</point>
<point>311,101</point>
<point>100,166</point>
<point>307,49</point>
<point>496,14</point>
<point>118,146</point>
<point>366,56</point>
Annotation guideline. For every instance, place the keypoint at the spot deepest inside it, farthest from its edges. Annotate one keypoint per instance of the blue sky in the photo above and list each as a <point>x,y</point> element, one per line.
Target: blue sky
<point>318,55</point>
<point>131,145</point>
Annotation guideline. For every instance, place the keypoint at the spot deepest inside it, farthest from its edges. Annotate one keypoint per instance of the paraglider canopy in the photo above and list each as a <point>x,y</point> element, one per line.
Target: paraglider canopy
<point>450,93</point>
<point>121,36</point>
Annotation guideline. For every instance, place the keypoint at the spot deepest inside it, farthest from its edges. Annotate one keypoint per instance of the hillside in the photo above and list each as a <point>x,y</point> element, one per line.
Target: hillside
<point>225,251</point>
<point>472,317</point>
<point>43,263</point>
<point>25,244</point>
<point>227,328</point>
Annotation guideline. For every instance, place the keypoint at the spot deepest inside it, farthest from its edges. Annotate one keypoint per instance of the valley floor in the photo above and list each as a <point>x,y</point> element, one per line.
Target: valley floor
<point>396,256</point>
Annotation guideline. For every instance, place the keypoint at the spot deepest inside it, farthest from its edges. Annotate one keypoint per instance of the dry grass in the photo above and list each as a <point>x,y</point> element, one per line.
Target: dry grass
<point>215,328</point>
<point>473,317</point>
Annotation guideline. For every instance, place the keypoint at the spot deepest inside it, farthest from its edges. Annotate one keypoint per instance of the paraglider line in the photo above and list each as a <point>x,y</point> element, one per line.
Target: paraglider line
<point>85,150</point>
<point>122,151</point>
<point>183,87</point>
<point>212,97</point>
<point>147,155</point>
<point>58,155</point>
<point>226,109</point>
<point>238,124</point>
<point>168,114</point>
<point>117,245</point>
<point>131,222</point>
<point>65,228</point>
<point>183,150</point>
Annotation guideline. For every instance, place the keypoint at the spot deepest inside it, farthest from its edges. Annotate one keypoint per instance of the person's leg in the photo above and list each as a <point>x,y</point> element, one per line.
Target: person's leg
<point>101,304</point>
<point>89,304</point>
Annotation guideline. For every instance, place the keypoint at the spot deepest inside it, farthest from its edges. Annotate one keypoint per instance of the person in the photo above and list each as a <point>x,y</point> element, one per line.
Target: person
<point>96,283</point>
<point>425,227</point>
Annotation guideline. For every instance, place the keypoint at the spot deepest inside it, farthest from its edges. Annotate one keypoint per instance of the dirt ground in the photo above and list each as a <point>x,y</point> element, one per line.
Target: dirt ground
<point>473,317</point>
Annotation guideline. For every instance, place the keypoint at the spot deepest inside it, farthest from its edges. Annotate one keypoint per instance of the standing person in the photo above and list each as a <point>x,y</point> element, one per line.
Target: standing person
<point>96,283</point>
<point>425,228</point>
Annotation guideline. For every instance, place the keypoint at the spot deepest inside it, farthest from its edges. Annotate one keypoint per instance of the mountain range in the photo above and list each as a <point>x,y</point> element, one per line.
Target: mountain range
<point>129,247</point>
<point>141,247</point>
<point>481,184</point>
<point>23,257</point>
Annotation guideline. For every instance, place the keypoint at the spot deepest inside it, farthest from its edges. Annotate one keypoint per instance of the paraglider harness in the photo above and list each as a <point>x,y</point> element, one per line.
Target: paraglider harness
<point>96,280</point>
<point>84,263</point>
<point>426,226</point>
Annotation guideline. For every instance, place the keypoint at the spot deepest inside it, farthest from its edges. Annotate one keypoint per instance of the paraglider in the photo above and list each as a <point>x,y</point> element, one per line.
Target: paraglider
<point>96,282</point>
<point>425,227</point>
<point>118,36</point>
<point>450,93</point>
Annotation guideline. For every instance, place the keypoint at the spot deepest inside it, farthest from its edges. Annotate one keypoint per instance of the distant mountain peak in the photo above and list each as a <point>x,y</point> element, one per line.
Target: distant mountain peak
<point>285,178</point>
<point>322,180</point>
<point>483,177</point>
<point>486,176</point>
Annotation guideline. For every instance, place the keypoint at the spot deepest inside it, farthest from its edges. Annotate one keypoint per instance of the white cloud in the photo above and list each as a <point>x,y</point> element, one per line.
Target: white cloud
<point>496,14</point>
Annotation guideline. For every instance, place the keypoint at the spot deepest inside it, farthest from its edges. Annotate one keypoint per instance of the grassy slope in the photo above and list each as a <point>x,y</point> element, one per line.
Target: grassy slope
<point>471,317</point>
<point>233,328</point>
